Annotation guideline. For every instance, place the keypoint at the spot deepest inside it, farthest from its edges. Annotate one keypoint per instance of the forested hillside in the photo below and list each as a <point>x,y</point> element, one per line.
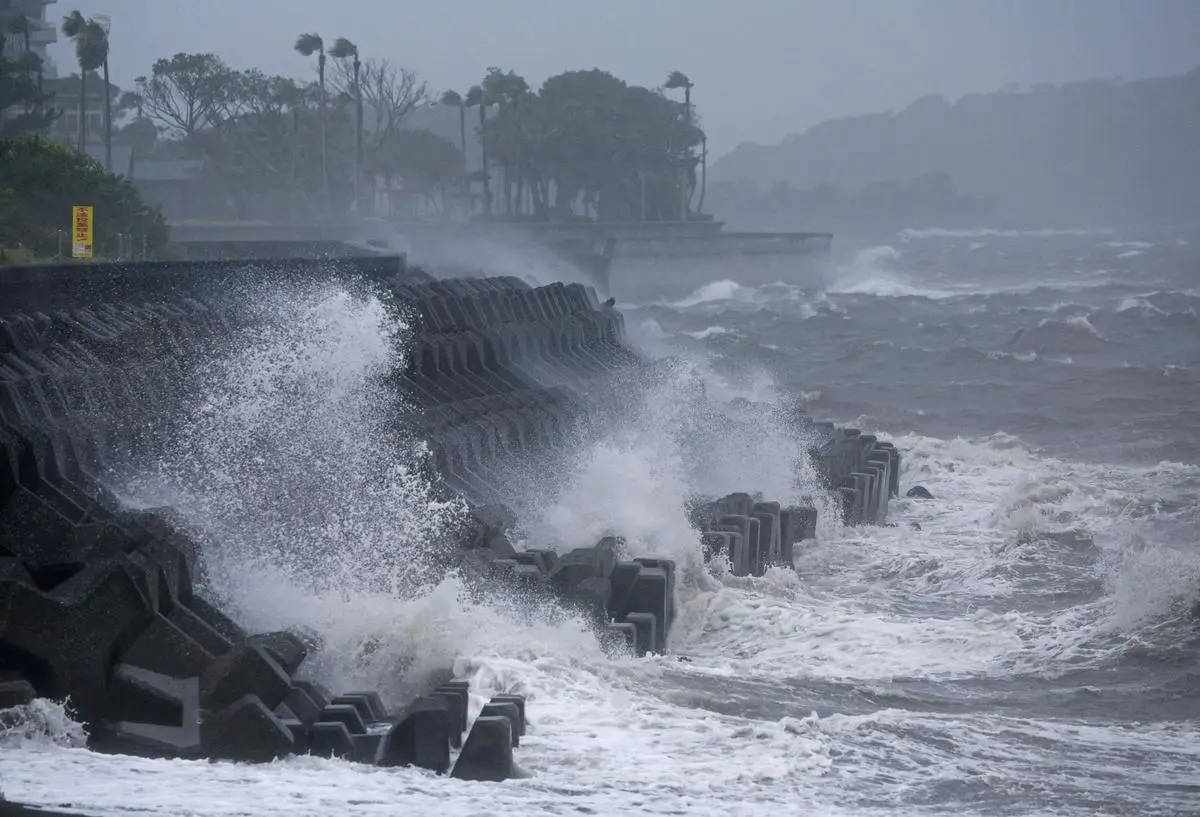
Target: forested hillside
<point>1095,150</point>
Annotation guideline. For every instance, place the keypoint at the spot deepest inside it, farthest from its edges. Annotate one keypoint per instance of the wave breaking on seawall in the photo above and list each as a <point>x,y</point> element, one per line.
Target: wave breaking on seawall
<point>250,511</point>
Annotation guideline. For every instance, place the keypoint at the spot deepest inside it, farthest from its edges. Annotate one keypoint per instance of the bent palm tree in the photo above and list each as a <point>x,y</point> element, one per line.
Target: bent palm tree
<point>455,100</point>
<point>678,79</point>
<point>476,97</point>
<point>91,51</point>
<point>344,49</point>
<point>307,45</point>
<point>100,34</point>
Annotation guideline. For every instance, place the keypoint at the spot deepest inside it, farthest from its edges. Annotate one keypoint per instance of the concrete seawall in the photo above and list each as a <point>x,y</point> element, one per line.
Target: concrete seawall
<point>103,604</point>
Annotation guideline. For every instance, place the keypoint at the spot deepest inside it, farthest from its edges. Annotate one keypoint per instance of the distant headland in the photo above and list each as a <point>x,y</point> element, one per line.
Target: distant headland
<point>1100,151</point>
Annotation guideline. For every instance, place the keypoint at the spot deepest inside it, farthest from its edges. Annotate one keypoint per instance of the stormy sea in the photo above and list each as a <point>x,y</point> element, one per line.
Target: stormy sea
<point>1021,644</point>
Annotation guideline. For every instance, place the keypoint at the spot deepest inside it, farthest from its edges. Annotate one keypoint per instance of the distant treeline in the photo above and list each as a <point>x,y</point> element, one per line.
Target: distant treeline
<point>1100,150</point>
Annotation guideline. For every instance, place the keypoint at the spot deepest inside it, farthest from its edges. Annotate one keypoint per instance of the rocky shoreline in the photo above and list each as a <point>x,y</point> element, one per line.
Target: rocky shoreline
<point>105,606</point>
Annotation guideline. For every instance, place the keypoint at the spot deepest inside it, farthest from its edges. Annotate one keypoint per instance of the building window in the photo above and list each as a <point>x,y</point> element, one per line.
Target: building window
<point>68,122</point>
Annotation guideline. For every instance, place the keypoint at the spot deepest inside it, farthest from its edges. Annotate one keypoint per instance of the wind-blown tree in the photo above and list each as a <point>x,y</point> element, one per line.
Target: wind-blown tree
<point>624,152</point>
<point>676,80</point>
<point>430,165</point>
<point>41,179</point>
<point>454,99</point>
<point>23,108</point>
<point>507,90</point>
<point>131,101</point>
<point>583,145</point>
<point>21,82</point>
<point>105,44</point>
<point>267,152</point>
<point>343,49</point>
<point>266,147</point>
<point>188,92</point>
<point>477,98</point>
<point>17,24</point>
<point>140,134</point>
<point>307,45</point>
<point>91,52</point>
<point>390,94</point>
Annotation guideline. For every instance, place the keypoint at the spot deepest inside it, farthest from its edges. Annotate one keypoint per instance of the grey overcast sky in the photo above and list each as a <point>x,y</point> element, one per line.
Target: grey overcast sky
<point>762,68</point>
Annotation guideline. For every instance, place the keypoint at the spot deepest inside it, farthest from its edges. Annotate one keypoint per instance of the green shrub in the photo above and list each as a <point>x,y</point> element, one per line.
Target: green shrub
<point>41,180</point>
<point>16,255</point>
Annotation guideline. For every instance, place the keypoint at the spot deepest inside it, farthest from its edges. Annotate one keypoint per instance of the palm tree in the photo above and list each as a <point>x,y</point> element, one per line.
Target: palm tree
<point>455,100</point>
<point>678,79</point>
<point>100,32</point>
<point>475,97</point>
<point>307,45</point>
<point>291,96</point>
<point>344,49</point>
<point>506,90</point>
<point>91,51</point>
<point>132,100</point>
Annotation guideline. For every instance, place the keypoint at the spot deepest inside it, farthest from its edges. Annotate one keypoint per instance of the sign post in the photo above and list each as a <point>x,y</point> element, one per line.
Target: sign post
<point>81,226</point>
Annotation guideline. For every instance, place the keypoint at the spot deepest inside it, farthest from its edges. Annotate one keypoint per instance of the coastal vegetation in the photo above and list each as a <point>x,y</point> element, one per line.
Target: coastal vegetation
<point>365,136</point>
<point>585,144</point>
<point>41,180</point>
<point>24,107</point>
<point>91,52</point>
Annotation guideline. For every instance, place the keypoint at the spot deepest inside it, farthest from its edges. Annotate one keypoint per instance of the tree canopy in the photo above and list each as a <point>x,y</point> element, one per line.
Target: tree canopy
<point>587,143</point>
<point>24,107</point>
<point>583,145</point>
<point>41,180</point>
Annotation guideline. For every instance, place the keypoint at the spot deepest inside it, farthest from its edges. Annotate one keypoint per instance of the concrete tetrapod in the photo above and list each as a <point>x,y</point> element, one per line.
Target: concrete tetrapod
<point>98,603</point>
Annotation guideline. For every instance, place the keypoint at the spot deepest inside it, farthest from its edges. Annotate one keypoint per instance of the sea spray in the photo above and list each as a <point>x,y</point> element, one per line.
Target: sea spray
<point>294,466</point>
<point>40,722</point>
<point>873,272</point>
<point>685,433</point>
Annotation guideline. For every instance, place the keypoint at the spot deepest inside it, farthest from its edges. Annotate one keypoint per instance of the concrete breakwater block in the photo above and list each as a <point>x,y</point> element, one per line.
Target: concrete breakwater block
<point>98,602</point>
<point>862,473</point>
<point>114,625</point>
<point>752,535</point>
<point>630,602</point>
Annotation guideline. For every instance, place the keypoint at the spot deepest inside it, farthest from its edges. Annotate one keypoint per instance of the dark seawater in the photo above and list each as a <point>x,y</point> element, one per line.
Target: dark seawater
<point>1049,384</point>
<point>1020,645</point>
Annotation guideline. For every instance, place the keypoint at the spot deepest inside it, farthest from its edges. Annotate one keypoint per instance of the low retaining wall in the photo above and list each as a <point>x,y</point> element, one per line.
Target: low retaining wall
<point>99,603</point>
<point>53,287</point>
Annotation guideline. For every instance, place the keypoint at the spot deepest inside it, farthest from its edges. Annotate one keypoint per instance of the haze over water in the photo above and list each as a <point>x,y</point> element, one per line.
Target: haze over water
<point>1027,651</point>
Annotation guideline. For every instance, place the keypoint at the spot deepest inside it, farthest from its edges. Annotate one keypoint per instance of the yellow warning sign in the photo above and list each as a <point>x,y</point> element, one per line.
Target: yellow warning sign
<point>81,227</point>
